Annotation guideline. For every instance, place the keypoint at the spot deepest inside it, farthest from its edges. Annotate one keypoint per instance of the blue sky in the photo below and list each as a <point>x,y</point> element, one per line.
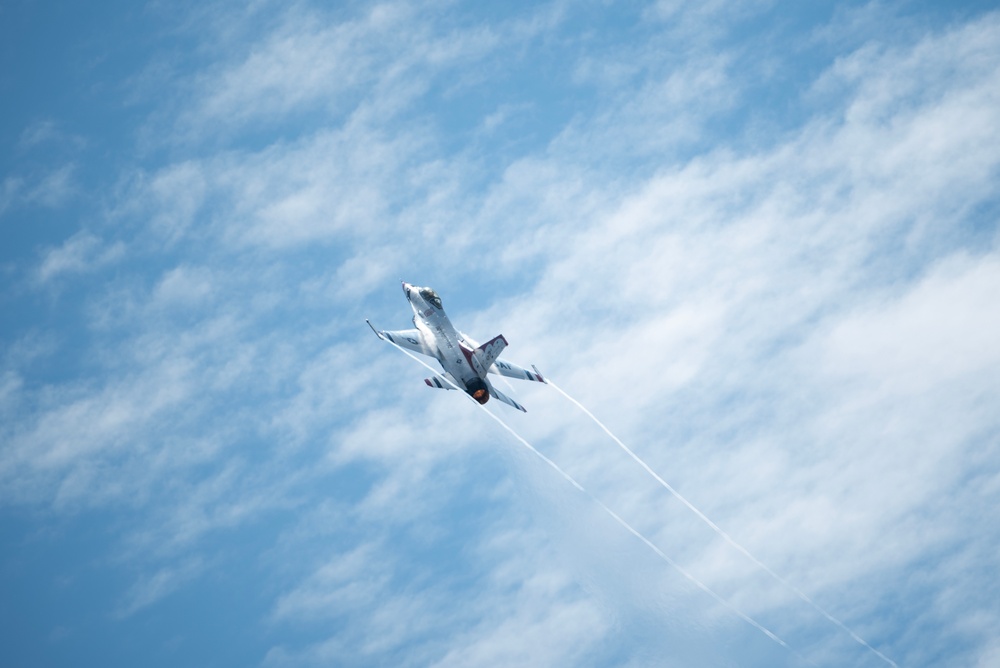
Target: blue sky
<point>759,240</point>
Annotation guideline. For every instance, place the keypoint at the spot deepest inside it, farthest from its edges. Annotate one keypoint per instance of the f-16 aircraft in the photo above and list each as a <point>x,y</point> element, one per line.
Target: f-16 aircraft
<point>465,362</point>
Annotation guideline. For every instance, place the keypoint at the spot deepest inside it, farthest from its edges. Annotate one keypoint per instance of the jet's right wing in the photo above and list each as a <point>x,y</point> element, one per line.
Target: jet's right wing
<point>511,370</point>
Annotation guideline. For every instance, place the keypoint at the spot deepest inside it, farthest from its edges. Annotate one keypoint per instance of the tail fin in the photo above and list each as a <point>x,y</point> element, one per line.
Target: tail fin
<point>482,358</point>
<point>490,351</point>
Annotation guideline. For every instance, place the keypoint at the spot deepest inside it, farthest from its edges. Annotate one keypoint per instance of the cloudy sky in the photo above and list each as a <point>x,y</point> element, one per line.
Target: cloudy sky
<point>758,239</point>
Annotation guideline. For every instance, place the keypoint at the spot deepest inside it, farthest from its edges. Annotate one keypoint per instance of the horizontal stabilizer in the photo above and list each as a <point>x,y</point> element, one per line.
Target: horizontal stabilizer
<point>439,382</point>
<point>507,400</point>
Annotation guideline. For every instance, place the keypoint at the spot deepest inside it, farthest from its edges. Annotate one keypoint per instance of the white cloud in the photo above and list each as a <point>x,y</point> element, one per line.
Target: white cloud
<point>534,631</point>
<point>184,285</point>
<point>938,334</point>
<point>797,335</point>
<point>12,187</point>
<point>148,590</point>
<point>39,132</point>
<point>375,62</point>
<point>73,423</point>
<point>49,190</point>
<point>177,194</point>
<point>344,584</point>
<point>11,384</point>
<point>54,189</point>
<point>83,252</point>
<point>778,246</point>
<point>712,17</point>
<point>989,657</point>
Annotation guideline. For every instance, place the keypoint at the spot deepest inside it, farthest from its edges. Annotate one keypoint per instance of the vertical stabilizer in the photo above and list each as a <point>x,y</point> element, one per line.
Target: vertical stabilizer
<point>482,358</point>
<point>490,351</point>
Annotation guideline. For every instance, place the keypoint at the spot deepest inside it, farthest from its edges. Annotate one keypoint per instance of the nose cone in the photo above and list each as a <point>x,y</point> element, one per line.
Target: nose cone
<point>406,289</point>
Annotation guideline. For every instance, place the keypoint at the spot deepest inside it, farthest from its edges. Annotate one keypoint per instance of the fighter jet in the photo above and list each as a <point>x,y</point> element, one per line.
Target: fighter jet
<point>465,362</point>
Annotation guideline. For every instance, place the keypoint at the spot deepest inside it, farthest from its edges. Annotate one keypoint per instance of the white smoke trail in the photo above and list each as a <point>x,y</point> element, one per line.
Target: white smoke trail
<point>628,527</point>
<point>510,386</point>
<point>725,536</point>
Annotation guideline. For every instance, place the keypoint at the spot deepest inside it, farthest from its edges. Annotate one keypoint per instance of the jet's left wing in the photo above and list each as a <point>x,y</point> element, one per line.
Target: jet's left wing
<point>411,339</point>
<point>507,400</point>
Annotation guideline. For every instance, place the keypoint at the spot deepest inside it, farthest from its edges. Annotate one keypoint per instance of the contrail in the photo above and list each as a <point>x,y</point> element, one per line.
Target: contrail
<point>628,527</point>
<point>725,536</point>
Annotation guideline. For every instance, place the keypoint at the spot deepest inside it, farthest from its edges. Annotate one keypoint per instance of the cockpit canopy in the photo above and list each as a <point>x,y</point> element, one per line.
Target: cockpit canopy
<point>431,296</point>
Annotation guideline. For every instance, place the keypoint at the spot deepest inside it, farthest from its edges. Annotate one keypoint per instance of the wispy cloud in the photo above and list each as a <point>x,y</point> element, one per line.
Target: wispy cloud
<point>47,131</point>
<point>82,253</point>
<point>370,61</point>
<point>790,321</point>
<point>49,190</point>
<point>148,590</point>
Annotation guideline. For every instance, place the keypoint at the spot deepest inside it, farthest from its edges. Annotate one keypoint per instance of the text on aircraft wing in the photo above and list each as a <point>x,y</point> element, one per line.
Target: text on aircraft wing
<point>511,370</point>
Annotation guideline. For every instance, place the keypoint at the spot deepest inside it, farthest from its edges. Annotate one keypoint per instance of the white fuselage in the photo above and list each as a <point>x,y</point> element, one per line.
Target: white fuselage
<point>442,340</point>
<point>464,362</point>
